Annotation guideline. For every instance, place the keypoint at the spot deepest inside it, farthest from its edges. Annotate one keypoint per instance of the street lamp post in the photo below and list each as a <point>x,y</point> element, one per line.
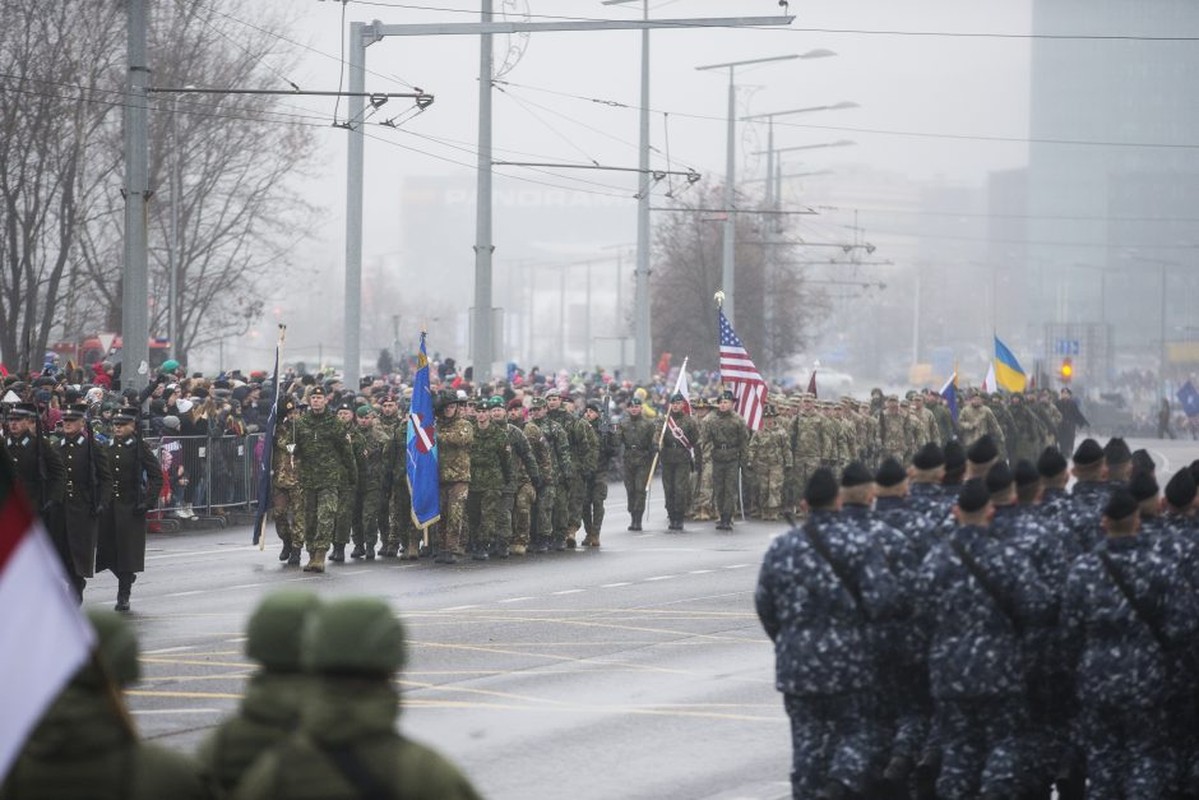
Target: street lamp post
<point>728,254</point>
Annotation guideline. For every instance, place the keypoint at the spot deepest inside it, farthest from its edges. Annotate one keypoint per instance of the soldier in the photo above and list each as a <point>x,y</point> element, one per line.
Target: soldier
<point>274,696</point>
<point>1126,611</point>
<point>556,500</point>
<point>527,476</point>
<point>136,484</point>
<point>1090,491</point>
<point>88,490</point>
<point>702,507</point>
<point>892,431</point>
<point>1028,432</point>
<point>820,591</point>
<point>84,745</point>
<point>909,505</point>
<point>347,745</point>
<point>980,457</point>
<point>806,444</point>
<point>976,421</point>
<point>679,460</point>
<point>348,490</point>
<point>36,463</point>
<point>595,487</point>
<point>1117,462</point>
<point>490,471</point>
<point>583,451</point>
<point>1072,420</point>
<point>370,449</point>
<point>326,464</point>
<point>769,459</point>
<point>976,596</point>
<point>287,498</point>
<point>638,445</point>
<point>541,525</point>
<point>455,437</point>
<point>728,438</point>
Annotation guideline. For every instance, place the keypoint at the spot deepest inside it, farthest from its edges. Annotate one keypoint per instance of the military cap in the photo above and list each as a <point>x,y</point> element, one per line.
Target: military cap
<point>633,401</point>
<point>982,451</point>
<point>317,389</point>
<point>890,473</point>
<point>1180,489</point>
<point>973,496</point>
<point>1087,453</point>
<point>495,401</point>
<point>24,410</point>
<point>770,411</point>
<point>1025,473</point>
<point>955,455</point>
<point>126,414</point>
<point>677,397</point>
<point>1143,486</point>
<point>892,398</point>
<point>821,488</point>
<point>364,411</point>
<point>537,402</point>
<point>596,406</point>
<point>1143,462</point>
<point>999,478</point>
<point>515,403</point>
<point>1120,505</point>
<point>75,411</point>
<point>552,393</point>
<point>116,649</point>
<point>275,631</point>
<point>727,395</point>
<point>1116,451</point>
<point>856,474</point>
<point>929,457</point>
<point>1051,462</point>
<point>354,636</point>
<point>286,406</point>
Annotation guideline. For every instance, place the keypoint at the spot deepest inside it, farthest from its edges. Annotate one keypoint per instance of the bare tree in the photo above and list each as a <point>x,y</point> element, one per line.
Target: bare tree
<point>774,309</point>
<point>231,228</point>
<point>55,94</point>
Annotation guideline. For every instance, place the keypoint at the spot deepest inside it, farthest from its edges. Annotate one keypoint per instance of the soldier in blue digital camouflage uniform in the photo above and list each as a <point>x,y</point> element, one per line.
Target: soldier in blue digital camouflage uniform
<point>820,590</point>
<point>1126,613</point>
<point>976,595</point>
<point>1090,492</point>
<point>912,505</point>
<point>955,471</point>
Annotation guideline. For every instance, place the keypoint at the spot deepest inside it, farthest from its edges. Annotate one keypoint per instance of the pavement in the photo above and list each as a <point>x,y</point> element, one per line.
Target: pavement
<point>638,670</point>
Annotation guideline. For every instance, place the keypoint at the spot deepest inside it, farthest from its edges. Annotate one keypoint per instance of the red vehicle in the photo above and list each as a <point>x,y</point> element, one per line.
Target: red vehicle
<point>107,347</point>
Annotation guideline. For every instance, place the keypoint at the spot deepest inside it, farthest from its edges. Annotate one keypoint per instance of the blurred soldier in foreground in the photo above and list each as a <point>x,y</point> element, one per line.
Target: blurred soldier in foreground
<point>347,746</point>
<point>85,745</point>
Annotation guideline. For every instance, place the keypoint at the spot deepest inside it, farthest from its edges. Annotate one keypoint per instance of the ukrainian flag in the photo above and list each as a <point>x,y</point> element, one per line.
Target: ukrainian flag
<point>1007,369</point>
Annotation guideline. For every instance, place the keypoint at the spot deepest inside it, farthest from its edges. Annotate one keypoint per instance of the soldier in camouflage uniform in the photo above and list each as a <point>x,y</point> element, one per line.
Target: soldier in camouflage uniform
<point>807,433</point>
<point>564,470</point>
<point>530,458</point>
<point>638,445</point>
<point>976,420</point>
<point>595,491</point>
<point>583,451</point>
<point>944,418</point>
<point>769,460</point>
<point>728,439</point>
<point>326,464</point>
<point>926,422</point>
<point>541,526</point>
<point>1028,439</point>
<point>287,498</point>
<point>348,490</point>
<point>703,506</point>
<point>976,595</point>
<point>893,431</point>
<point>1126,612</point>
<point>1051,418</point>
<point>394,424</point>
<point>821,590</point>
<point>1090,492</point>
<point>490,471</point>
<point>402,539</point>
<point>680,444</point>
<point>995,401</point>
<point>371,448</point>
<point>455,436</point>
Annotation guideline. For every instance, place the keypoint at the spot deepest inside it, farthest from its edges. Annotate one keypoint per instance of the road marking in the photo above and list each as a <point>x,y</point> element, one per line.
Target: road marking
<point>734,566</point>
<point>165,650</point>
<point>191,695</point>
<point>461,608</point>
<point>615,585</point>
<point>150,711</point>
<point>569,591</point>
<point>701,572</point>
<point>661,578</point>
<point>516,599</point>
<point>186,594</point>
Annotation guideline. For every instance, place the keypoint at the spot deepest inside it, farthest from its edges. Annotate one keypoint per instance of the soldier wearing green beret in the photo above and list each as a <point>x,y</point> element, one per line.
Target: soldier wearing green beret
<point>326,464</point>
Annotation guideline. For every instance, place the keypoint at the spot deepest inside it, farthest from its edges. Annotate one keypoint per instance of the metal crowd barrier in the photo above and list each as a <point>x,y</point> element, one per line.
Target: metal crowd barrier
<point>207,476</point>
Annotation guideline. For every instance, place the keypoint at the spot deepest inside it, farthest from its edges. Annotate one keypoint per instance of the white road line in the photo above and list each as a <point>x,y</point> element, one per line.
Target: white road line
<point>735,566</point>
<point>515,599</point>
<point>661,578</point>
<point>186,594</point>
<point>569,591</point>
<point>245,586</point>
<point>149,711</point>
<point>701,572</point>
<point>615,585</point>
<point>164,650</point>
<point>461,608</point>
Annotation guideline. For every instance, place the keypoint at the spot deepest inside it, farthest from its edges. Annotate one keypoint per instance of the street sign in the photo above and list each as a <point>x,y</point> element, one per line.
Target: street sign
<point>1067,347</point>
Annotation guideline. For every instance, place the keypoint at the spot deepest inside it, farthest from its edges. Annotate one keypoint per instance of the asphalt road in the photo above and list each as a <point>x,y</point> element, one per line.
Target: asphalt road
<point>635,671</point>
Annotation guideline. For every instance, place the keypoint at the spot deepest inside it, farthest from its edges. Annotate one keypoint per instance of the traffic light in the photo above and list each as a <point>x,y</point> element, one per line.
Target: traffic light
<point>1066,370</point>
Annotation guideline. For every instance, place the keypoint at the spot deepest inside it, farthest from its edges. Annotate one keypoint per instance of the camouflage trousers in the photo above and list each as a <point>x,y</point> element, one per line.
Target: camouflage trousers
<point>287,506</point>
<point>767,491</point>
<point>561,519</point>
<point>676,485</point>
<point>576,496</point>
<point>801,473</point>
<point>635,478</point>
<point>1129,753</point>
<point>523,505</point>
<point>484,507</point>
<point>365,522</point>
<point>452,527</point>
<point>320,517</point>
<point>345,515</point>
<point>725,487</point>
<point>701,505</point>
<point>401,531</point>
<point>833,738</point>
<point>543,513</point>
<point>596,492</point>
<point>980,747</point>
<point>503,522</point>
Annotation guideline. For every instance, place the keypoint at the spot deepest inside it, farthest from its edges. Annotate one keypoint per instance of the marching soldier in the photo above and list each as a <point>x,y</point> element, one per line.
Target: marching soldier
<point>371,447</point>
<point>88,491</point>
<point>394,424</point>
<point>542,521</point>
<point>595,489</point>
<point>702,508</point>
<point>728,437</point>
<point>326,463</point>
<point>490,471</point>
<point>976,421</point>
<point>529,447</point>
<point>37,464</point>
<point>678,460</point>
<point>455,436</point>
<point>136,483</point>
<point>893,431</point>
<point>347,491</point>
<point>769,459</point>
<point>638,445</point>
<point>287,499</point>
<point>564,469</point>
<point>583,451</point>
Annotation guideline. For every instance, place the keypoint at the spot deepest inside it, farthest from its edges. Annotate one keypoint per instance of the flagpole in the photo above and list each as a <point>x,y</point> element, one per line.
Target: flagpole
<point>265,445</point>
<point>653,464</point>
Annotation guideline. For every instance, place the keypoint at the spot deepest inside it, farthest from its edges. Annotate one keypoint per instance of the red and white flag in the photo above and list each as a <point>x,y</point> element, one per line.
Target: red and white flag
<point>44,637</point>
<point>680,387</point>
<point>738,371</point>
<point>990,382</point>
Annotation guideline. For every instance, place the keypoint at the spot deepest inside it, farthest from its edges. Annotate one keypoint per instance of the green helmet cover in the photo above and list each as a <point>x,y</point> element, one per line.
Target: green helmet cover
<point>274,635</point>
<point>355,635</point>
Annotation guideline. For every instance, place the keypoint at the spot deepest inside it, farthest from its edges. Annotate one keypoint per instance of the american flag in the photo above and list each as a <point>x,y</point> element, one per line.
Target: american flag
<point>738,371</point>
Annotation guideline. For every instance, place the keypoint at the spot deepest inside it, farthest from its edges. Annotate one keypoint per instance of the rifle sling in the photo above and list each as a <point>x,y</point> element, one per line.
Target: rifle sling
<point>989,586</point>
<point>822,549</point>
<point>1138,607</point>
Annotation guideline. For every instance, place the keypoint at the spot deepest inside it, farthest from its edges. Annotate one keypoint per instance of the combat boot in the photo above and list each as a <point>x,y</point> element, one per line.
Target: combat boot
<point>559,543</point>
<point>571,544</point>
<point>540,544</point>
<point>370,553</point>
<point>285,553</point>
<point>636,526</point>
<point>389,551</point>
<point>293,558</point>
<point>339,553</point>
<point>316,562</point>
<point>122,602</point>
<point>518,549</point>
<point>358,552</point>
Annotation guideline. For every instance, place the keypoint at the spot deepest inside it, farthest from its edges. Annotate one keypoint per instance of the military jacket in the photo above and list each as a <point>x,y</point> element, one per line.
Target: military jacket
<point>605,446</point>
<point>806,438</point>
<point>490,458</point>
<point>285,468</point>
<point>455,437</point>
<point>1057,509</point>
<point>976,650</point>
<point>88,478</point>
<point>821,635</point>
<point>728,436</point>
<point>40,468</point>
<point>675,451</point>
<point>637,439</point>
<point>559,442</point>
<point>540,447</point>
<point>136,473</point>
<point>370,448</point>
<point>916,522</point>
<point>525,468</point>
<point>974,423</point>
<point>324,451</point>
<point>893,436</point>
<point>1089,498</point>
<point>583,445</point>
<point>769,449</point>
